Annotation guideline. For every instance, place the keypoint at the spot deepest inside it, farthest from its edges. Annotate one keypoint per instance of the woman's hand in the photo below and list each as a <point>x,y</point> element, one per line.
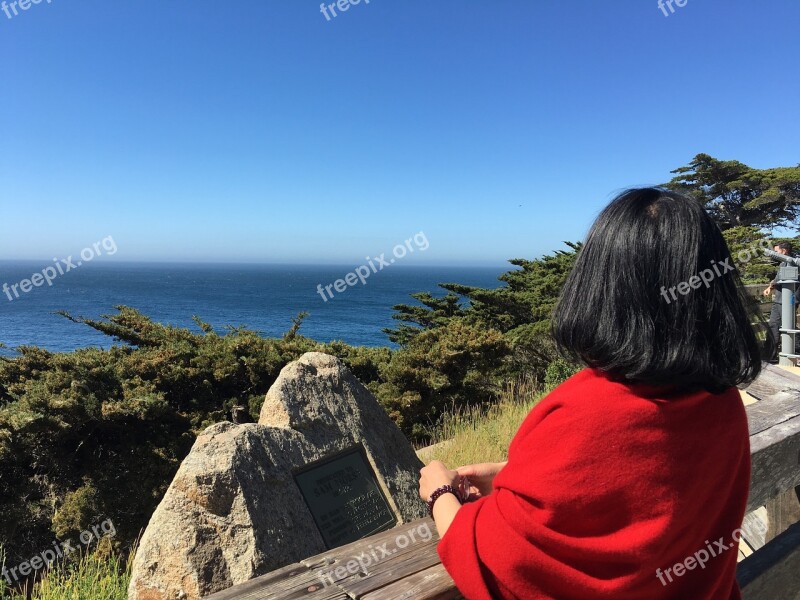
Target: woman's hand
<point>768,291</point>
<point>481,478</point>
<point>434,476</point>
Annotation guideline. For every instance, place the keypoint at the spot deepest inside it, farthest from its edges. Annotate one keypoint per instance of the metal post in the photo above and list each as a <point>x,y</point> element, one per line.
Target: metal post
<point>787,277</point>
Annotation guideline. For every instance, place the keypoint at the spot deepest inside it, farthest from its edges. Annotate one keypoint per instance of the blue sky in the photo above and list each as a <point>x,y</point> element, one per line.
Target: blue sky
<point>258,131</point>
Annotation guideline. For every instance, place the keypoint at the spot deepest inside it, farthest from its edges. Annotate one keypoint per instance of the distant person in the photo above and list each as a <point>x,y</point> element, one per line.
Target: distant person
<point>773,346</point>
<point>629,480</point>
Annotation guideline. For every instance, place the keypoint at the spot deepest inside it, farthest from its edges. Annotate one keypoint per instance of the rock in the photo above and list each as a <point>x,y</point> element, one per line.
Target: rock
<point>234,510</point>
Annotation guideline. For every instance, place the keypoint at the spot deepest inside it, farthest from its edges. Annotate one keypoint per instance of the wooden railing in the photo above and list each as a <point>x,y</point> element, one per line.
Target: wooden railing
<point>773,569</point>
<point>413,571</point>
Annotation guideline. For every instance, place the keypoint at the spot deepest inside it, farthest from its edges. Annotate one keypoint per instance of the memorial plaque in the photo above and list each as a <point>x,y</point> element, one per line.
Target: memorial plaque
<point>344,497</point>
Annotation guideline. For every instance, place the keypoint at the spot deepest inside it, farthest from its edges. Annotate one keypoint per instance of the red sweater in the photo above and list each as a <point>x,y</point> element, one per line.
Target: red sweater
<point>608,487</point>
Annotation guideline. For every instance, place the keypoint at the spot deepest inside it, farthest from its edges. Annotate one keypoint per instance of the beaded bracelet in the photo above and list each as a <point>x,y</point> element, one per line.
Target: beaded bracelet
<point>441,491</point>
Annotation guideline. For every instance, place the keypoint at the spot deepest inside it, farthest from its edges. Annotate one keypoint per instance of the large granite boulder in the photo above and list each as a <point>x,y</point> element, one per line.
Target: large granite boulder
<point>235,509</point>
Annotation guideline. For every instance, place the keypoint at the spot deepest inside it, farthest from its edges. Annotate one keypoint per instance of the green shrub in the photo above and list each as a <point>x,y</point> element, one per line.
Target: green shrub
<point>558,372</point>
<point>457,364</point>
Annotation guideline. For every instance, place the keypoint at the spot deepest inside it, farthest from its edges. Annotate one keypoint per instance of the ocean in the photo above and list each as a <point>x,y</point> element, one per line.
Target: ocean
<point>264,298</point>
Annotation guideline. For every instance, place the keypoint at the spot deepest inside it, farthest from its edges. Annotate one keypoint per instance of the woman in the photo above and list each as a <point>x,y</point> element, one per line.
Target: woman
<point>630,479</point>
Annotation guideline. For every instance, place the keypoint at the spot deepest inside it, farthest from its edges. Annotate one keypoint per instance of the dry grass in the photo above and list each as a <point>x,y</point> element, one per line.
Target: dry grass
<point>96,576</point>
<point>473,435</point>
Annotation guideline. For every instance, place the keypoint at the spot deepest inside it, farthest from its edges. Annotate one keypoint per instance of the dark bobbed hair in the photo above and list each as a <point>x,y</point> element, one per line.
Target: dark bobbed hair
<point>784,246</point>
<point>613,313</point>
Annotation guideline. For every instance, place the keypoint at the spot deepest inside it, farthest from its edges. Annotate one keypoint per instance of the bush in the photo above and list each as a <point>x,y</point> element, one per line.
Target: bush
<point>457,364</point>
<point>102,432</point>
<point>558,372</point>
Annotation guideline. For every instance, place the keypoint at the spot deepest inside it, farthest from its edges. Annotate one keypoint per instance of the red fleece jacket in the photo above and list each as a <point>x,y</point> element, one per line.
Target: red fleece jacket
<point>608,487</point>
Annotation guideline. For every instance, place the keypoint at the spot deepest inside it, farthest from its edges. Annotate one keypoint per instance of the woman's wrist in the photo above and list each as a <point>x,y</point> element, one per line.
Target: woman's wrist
<point>443,490</point>
<point>444,511</point>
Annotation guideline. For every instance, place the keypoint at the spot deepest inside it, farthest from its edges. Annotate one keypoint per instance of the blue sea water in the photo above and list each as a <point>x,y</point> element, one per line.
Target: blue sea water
<point>262,297</point>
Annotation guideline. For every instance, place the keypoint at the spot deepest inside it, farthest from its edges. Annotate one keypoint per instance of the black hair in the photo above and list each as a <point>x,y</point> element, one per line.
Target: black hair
<point>784,246</point>
<point>654,298</point>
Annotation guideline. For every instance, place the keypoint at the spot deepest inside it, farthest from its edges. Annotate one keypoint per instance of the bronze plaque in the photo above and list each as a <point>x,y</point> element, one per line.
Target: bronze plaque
<point>344,497</point>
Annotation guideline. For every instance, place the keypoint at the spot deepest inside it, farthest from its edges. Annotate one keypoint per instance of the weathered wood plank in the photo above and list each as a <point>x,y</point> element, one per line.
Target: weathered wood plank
<point>778,371</point>
<point>431,584</point>
<point>376,543</point>
<point>368,564</point>
<point>775,454</point>
<point>755,527</point>
<point>783,511</point>
<point>292,582</point>
<point>772,382</point>
<point>363,544</point>
<point>773,410</point>
<point>393,569</point>
<point>773,571</point>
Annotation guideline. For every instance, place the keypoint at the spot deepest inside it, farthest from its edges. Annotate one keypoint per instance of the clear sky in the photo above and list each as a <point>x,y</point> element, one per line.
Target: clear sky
<point>260,131</point>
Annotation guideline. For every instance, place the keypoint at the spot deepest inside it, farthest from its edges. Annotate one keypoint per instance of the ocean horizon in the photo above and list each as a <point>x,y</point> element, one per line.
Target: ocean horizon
<point>261,297</point>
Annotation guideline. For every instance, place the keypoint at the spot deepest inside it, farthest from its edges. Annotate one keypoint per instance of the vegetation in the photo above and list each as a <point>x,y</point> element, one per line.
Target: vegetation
<point>98,575</point>
<point>472,435</point>
<point>98,434</point>
<point>502,332</point>
<point>740,196</point>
